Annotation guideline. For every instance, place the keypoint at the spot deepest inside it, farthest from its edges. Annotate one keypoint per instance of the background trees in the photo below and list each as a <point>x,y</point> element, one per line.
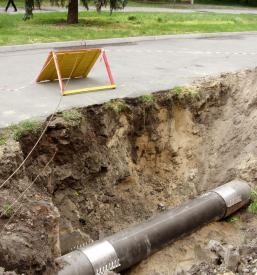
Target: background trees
<point>73,6</point>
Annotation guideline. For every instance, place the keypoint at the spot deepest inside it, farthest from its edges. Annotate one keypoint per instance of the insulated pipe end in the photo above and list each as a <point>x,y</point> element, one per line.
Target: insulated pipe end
<point>96,258</point>
<point>235,193</point>
<point>74,263</point>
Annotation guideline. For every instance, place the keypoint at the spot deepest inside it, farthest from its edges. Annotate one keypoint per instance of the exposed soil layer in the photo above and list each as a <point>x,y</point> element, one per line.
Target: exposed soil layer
<point>120,163</point>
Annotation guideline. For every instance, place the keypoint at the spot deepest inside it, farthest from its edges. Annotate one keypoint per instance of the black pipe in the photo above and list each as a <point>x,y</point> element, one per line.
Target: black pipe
<point>128,247</point>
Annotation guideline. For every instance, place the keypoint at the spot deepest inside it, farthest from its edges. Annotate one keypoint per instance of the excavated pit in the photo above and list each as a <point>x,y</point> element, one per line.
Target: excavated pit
<point>122,162</point>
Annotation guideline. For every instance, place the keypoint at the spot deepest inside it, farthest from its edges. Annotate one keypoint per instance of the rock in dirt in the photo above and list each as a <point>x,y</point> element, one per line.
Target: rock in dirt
<point>216,247</point>
<point>3,272</point>
<point>232,258</point>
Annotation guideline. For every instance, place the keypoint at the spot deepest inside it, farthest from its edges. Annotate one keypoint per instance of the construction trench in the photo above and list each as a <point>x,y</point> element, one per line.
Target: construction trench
<point>116,165</point>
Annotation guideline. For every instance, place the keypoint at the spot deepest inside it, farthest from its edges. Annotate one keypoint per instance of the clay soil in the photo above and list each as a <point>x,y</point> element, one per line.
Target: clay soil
<point>124,161</point>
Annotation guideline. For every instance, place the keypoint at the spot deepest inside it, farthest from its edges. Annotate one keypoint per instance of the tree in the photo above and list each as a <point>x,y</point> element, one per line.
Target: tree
<point>28,9</point>
<point>73,12</point>
<point>72,17</point>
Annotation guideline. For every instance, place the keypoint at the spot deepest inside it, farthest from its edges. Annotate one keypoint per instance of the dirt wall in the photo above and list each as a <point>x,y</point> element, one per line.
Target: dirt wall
<point>119,163</point>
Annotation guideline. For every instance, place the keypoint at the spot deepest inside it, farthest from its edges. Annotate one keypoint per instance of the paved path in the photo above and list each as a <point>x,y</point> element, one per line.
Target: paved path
<point>195,9</point>
<point>153,9</point>
<point>138,68</point>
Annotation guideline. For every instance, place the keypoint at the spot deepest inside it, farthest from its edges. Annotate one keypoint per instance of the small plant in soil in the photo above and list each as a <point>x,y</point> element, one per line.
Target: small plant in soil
<point>17,131</point>
<point>25,127</point>
<point>3,138</point>
<point>118,106</point>
<point>147,101</point>
<point>233,219</point>
<point>2,141</point>
<point>184,90</point>
<point>178,90</point>
<point>147,98</point>
<point>4,135</point>
<point>7,210</point>
<point>72,116</point>
<point>252,208</point>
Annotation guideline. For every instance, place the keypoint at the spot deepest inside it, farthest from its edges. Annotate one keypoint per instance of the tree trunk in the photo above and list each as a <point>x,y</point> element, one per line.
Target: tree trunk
<point>73,10</point>
<point>28,9</point>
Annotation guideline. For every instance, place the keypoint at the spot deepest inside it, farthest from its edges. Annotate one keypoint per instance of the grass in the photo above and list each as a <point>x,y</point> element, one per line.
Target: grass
<point>184,90</point>
<point>3,140</point>
<point>24,128</point>
<point>7,210</point>
<point>252,208</point>
<point>48,27</point>
<point>178,90</point>
<point>3,137</point>
<point>232,219</point>
<point>118,106</point>
<point>19,130</point>
<point>146,99</point>
<point>72,116</point>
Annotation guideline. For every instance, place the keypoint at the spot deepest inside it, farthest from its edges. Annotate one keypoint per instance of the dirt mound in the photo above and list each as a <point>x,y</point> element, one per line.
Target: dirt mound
<point>117,164</point>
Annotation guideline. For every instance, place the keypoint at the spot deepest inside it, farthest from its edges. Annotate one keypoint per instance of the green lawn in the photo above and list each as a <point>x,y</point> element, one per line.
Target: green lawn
<point>47,27</point>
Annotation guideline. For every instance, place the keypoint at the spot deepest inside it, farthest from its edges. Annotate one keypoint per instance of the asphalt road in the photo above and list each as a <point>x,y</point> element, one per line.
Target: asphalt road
<point>138,68</point>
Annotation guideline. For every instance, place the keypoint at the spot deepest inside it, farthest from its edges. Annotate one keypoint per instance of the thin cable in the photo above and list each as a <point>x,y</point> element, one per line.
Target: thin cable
<point>23,193</point>
<point>35,145</point>
<point>75,64</point>
<point>44,130</point>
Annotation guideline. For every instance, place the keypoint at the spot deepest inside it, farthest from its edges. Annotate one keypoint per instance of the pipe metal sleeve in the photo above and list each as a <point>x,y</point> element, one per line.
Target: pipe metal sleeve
<point>130,246</point>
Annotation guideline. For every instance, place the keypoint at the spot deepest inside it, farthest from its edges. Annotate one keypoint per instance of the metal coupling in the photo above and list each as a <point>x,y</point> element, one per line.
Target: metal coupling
<point>235,193</point>
<point>102,257</point>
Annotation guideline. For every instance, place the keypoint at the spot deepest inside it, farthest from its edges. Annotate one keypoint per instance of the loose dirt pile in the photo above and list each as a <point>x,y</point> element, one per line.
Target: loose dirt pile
<point>119,163</point>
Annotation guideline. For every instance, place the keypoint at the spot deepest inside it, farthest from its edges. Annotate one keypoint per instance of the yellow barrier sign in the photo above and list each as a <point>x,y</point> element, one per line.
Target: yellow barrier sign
<point>68,64</point>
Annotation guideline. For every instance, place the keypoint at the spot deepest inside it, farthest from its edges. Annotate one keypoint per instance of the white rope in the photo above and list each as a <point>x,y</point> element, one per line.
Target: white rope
<point>30,185</point>
<point>22,194</point>
<point>44,130</point>
<point>35,145</point>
